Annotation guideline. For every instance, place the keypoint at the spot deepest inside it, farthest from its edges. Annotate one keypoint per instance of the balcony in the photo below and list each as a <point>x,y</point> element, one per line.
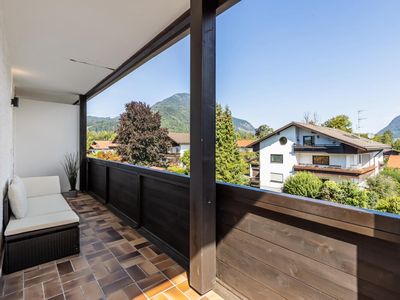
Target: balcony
<point>334,169</point>
<point>334,149</point>
<point>151,234</point>
<point>116,262</point>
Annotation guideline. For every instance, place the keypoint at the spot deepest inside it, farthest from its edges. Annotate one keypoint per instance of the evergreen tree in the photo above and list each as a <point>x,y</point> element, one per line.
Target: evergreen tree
<point>141,139</point>
<point>341,122</point>
<point>229,163</point>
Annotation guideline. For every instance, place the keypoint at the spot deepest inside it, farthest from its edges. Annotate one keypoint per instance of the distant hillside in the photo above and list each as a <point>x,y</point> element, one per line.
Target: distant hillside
<point>394,127</point>
<point>175,112</point>
<point>175,115</point>
<point>102,123</point>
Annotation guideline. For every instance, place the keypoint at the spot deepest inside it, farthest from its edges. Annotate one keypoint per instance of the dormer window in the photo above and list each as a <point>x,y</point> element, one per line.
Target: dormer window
<point>308,140</point>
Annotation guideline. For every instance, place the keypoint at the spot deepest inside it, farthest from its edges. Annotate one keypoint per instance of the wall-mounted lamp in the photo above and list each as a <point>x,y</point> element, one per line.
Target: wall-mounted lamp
<point>15,101</point>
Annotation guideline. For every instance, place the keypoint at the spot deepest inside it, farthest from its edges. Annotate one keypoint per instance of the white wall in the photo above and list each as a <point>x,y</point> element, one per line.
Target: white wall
<point>273,146</point>
<point>44,133</point>
<point>6,119</point>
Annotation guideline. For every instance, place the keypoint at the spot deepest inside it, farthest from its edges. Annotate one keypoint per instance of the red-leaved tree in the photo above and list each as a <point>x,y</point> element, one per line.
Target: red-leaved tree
<point>141,139</point>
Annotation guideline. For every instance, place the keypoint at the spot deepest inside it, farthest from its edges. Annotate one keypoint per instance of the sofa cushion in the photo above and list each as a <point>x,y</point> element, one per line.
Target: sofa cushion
<point>43,205</point>
<point>39,186</point>
<point>28,224</point>
<point>17,197</point>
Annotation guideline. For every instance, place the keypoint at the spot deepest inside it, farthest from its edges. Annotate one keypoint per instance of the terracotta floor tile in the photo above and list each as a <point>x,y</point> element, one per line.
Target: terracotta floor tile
<point>52,288</point>
<point>92,291</point>
<point>132,291</point>
<point>65,268</point>
<point>174,294</point>
<point>40,279</point>
<point>117,285</point>
<point>34,292</point>
<point>192,295</point>
<point>184,286</point>
<point>13,284</point>
<point>148,267</point>
<point>79,263</point>
<point>158,288</point>
<point>136,273</point>
<point>14,296</point>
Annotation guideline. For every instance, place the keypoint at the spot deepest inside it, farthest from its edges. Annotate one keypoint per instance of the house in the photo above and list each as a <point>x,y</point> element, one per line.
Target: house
<point>393,162</point>
<point>244,145</point>
<point>104,146</point>
<point>328,153</point>
<point>180,143</point>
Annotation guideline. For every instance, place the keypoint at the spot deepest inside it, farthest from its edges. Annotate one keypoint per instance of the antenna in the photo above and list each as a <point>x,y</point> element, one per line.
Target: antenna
<point>359,119</point>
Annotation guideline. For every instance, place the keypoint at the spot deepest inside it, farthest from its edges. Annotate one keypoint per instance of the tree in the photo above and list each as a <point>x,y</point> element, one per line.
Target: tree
<point>341,122</point>
<point>396,145</point>
<point>385,138</point>
<point>263,130</point>
<point>229,163</point>
<point>186,161</point>
<point>141,139</point>
<point>310,119</point>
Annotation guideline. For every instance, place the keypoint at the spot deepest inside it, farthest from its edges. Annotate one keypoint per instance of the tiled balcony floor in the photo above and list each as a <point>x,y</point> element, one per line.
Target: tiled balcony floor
<point>115,262</point>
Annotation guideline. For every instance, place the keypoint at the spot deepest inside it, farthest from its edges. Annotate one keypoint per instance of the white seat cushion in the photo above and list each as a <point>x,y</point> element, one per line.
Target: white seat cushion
<point>17,197</point>
<point>27,224</point>
<point>43,205</point>
<point>39,186</point>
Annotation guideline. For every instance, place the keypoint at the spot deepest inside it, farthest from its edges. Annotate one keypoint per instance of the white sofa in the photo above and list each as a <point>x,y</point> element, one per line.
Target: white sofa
<point>46,207</point>
<point>50,229</point>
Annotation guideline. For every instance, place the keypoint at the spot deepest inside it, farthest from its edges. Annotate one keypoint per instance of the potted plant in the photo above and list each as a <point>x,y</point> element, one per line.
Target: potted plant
<point>71,167</point>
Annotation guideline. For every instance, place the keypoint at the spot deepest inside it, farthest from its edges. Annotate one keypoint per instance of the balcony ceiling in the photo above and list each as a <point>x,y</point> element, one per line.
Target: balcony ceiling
<point>44,35</point>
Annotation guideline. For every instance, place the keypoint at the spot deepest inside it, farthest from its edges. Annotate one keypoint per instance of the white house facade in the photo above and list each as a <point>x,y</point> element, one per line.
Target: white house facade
<point>330,154</point>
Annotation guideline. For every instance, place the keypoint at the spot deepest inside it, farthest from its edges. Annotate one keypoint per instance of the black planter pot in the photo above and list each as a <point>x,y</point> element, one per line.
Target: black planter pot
<point>72,194</point>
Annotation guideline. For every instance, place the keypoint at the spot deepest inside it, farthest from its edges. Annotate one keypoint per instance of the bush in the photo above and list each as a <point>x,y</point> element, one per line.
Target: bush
<point>383,185</point>
<point>347,192</point>
<point>303,184</point>
<point>390,205</point>
<point>354,195</point>
<point>331,191</point>
<point>393,173</point>
<point>177,169</point>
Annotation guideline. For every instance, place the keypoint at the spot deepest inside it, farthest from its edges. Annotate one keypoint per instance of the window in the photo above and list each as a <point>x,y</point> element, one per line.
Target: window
<point>320,160</point>
<point>308,140</point>
<point>277,177</point>
<point>277,158</point>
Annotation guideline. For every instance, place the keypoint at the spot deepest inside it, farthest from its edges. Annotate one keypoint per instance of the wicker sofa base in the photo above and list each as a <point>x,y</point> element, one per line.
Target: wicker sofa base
<point>29,249</point>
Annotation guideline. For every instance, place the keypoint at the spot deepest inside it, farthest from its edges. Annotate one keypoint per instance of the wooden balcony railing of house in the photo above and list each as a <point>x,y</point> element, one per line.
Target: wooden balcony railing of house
<point>268,244</point>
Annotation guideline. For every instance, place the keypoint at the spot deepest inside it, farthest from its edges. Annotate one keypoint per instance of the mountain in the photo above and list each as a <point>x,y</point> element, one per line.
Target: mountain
<point>175,115</point>
<point>175,112</point>
<point>102,123</point>
<point>394,127</point>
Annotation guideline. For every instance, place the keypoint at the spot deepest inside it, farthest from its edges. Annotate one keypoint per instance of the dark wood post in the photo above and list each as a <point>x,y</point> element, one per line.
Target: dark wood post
<point>202,145</point>
<point>82,142</point>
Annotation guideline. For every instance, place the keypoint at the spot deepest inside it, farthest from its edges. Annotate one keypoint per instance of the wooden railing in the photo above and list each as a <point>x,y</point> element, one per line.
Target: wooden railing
<point>155,201</point>
<point>270,245</point>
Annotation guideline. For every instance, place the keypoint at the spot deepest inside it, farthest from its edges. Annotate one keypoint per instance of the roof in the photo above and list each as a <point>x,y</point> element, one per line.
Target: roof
<point>340,135</point>
<point>102,145</point>
<point>179,137</point>
<point>244,143</point>
<point>393,161</point>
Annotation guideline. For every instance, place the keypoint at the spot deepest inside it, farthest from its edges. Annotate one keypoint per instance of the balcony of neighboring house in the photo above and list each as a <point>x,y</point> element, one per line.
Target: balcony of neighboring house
<point>142,233</point>
<point>335,169</point>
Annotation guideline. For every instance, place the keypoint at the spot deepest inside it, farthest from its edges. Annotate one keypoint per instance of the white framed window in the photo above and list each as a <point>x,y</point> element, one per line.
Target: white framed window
<point>277,177</point>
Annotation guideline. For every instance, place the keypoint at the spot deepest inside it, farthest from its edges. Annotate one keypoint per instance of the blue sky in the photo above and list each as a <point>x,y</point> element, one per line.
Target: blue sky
<point>278,59</point>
